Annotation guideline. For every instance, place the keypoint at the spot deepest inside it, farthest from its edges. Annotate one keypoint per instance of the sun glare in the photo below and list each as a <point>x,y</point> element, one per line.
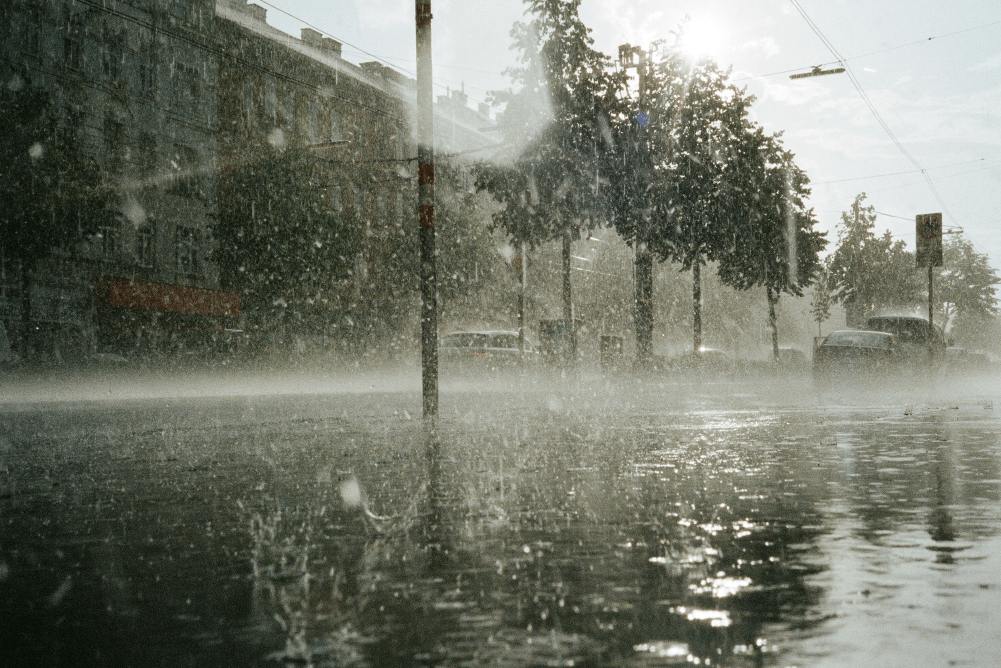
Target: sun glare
<point>700,38</point>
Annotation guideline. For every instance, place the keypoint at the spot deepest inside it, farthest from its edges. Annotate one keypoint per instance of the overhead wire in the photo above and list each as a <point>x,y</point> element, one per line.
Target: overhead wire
<point>872,108</point>
<point>910,171</point>
<point>873,53</point>
<point>222,53</point>
<point>381,59</point>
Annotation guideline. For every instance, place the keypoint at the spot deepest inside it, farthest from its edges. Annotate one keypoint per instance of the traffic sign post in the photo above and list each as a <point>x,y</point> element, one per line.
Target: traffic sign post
<point>928,232</point>
<point>929,236</point>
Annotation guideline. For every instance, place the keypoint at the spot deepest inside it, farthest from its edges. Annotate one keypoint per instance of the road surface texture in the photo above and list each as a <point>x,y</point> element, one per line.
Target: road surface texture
<point>600,522</point>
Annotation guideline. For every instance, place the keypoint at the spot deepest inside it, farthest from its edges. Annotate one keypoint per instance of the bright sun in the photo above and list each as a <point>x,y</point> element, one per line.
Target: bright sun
<point>700,38</point>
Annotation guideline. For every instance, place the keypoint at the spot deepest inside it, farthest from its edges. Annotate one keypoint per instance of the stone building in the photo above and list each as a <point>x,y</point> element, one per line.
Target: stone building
<point>141,75</point>
<point>172,96</point>
<point>354,126</point>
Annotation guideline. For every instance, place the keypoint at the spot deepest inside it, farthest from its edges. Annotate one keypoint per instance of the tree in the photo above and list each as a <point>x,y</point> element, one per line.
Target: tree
<point>53,193</point>
<point>823,296</point>
<point>871,272</point>
<point>676,180</point>
<point>282,242</point>
<point>774,243</point>
<point>550,187</point>
<point>965,284</point>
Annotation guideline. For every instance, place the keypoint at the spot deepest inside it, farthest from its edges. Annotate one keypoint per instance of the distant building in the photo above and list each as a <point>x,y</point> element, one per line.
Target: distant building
<point>142,75</point>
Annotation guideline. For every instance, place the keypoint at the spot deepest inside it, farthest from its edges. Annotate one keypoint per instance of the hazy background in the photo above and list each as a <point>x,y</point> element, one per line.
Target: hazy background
<point>940,97</point>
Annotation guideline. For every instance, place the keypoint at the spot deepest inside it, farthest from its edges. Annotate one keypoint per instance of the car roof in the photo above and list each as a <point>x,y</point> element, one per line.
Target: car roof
<point>848,333</point>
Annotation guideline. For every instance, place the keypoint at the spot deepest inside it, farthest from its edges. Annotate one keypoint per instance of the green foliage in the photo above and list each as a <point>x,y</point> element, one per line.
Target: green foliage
<point>774,244</point>
<point>465,248</point>
<point>676,178</point>
<point>53,194</point>
<point>871,272</point>
<point>965,284</point>
<point>282,244</point>
<point>554,126</point>
<point>823,295</point>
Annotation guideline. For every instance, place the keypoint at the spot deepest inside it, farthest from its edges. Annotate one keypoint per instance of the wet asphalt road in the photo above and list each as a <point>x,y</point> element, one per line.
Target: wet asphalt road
<point>605,522</point>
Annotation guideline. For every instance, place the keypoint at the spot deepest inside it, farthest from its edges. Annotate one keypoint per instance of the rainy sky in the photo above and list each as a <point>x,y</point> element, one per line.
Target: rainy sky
<point>939,99</point>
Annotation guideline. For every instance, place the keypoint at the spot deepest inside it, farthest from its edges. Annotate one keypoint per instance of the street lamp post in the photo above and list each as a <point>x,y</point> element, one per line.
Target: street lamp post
<point>425,214</point>
<point>635,57</point>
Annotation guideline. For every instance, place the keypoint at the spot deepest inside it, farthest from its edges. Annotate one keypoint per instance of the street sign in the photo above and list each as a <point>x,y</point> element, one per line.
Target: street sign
<point>929,239</point>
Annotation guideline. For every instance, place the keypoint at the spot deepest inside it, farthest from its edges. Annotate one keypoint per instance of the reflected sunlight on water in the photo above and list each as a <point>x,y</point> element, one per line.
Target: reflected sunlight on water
<point>333,530</point>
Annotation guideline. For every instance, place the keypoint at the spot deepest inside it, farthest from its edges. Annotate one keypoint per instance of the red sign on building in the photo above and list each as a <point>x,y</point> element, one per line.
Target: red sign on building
<point>175,298</point>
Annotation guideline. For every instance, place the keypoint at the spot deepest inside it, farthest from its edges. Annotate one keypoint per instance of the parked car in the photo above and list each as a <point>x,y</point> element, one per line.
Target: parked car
<point>489,349</point>
<point>911,334</point>
<point>855,355</point>
<point>792,357</point>
<point>705,360</point>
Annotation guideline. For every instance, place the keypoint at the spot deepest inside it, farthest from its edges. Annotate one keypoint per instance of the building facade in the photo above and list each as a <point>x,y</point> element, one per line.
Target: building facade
<point>355,128</point>
<point>140,76</point>
<point>171,97</point>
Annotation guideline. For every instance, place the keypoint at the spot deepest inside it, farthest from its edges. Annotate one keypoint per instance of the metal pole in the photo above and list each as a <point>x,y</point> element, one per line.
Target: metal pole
<point>425,213</point>
<point>931,310</point>
<point>643,260</point>
<point>522,278</point>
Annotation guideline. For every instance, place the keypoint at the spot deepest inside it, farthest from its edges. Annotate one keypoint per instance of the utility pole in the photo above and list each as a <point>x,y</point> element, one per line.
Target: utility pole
<point>425,214</point>
<point>643,261</point>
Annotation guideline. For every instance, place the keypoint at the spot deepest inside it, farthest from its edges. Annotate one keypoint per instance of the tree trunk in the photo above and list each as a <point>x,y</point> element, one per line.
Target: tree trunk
<point>697,305</point>
<point>568,298</point>
<point>522,276</point>
<point>644,303</point>
<point>26,326</point>
<point>773,299</point>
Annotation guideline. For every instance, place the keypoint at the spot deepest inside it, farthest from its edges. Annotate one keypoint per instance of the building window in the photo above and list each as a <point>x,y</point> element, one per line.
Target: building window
<point>186,248</point>
<point>313,122</point>
<point>335,126</point>
<point>288,112</point>
<point>247,103</point>
<point>73,39</point>
<point>32,28</point>
<point>147,65</point>
<point>270,100</point>
<point>145,245</point>
<point>114,145</point>
<point>184,166</point>
<point>187,86</point>
<point>112,55</point>
<point>107,236</point>
<point>335,197</point>
<point>147,155</point>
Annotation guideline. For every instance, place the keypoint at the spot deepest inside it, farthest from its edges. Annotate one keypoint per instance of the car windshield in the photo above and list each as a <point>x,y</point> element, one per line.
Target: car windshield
<point>504,341</point>
<point>465,340</point>
<point>859,340</point>
<point>907,330</point>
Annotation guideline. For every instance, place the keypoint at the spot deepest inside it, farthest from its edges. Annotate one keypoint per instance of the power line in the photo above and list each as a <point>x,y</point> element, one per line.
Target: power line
<point>944,176</point>
<point>868,102</point>
<point>873,53</point>
<point>381,59</point>
<point>225,54</point>
<point>910,171</point>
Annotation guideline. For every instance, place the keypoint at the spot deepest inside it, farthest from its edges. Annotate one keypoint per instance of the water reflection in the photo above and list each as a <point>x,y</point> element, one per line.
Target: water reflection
<point>267,532</point>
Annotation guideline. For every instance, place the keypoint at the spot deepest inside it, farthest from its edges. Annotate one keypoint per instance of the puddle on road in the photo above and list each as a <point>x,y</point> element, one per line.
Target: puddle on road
<point>285,531</point>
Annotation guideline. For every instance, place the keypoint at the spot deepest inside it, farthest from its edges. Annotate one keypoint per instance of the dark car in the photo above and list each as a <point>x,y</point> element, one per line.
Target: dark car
<point>912,335</point>
<point>490,349</point>
<point>855,355</point>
